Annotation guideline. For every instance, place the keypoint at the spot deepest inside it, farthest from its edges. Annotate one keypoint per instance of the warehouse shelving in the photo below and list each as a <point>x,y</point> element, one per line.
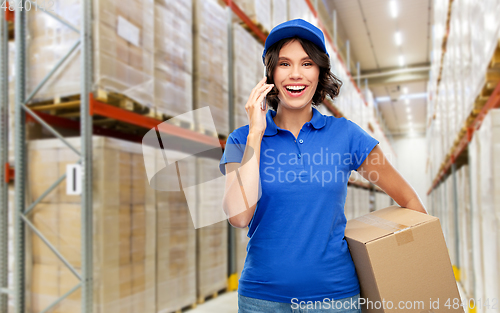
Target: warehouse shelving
<point>5,172</point>
<point>9,17</point>
<point>103,109</point>
<point>453,181</point>
<point>460,150</point>
<point>20,213</point>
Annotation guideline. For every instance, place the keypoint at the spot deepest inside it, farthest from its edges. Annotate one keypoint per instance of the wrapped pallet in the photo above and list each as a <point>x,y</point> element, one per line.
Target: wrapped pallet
<point>479,271</point>
<point>300,9</point>
<point>123,227</point>
<point>246,72</point>
<point>144,240</point>
<point>382,200</point>
<point>139,50</point>
<point>349,202</point>
<point>279,12</point>
<point>450,233</point>
<point>465,232</point>
<point>211,65</point>
<point>489,197</point>
<point>173,68</point>
<point>176,237</point>
<point>365,204</point>
<point>123,45</point>
<point>258,59</point>
<point>10,235</point>
<point>211,241</point>
<point>12,99</point>
<point>355,202</point>
<point>241,248</point>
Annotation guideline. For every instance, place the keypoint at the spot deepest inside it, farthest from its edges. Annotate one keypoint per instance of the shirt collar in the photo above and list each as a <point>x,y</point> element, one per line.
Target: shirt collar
<point>318,120</point>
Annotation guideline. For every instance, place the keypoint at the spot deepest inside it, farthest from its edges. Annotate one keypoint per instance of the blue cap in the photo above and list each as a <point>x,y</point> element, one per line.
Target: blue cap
<point>297,27</point>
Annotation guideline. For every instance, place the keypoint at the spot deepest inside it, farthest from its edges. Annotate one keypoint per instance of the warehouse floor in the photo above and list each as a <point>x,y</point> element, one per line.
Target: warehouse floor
<point>224,303</point>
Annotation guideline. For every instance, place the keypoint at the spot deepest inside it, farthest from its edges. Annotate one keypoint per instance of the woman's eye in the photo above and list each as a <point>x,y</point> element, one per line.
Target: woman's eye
<point>307,64</point>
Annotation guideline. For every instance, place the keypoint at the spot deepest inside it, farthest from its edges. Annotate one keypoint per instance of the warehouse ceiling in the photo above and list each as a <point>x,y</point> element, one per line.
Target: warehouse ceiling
<point>393,71</point>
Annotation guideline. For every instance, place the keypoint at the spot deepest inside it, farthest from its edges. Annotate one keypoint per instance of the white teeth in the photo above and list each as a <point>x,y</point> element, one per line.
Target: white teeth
<point>295,87</point>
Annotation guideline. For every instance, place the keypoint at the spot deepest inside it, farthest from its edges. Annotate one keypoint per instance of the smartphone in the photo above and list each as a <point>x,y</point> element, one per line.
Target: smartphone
<point>264,103</point>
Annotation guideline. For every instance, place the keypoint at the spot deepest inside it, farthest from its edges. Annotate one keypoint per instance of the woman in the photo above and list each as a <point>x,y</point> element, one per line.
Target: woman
<point>286,180</point>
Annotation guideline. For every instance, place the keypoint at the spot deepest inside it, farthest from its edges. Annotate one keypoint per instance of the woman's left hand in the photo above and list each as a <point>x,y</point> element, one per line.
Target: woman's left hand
<point>377,169</point>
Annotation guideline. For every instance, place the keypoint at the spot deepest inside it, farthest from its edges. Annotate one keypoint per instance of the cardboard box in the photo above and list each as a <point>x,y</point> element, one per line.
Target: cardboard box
<point>402,262</point>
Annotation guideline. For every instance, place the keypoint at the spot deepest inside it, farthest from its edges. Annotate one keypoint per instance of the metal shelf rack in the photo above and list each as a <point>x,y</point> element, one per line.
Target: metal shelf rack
<point>460,151</point>
<point>4,166</point>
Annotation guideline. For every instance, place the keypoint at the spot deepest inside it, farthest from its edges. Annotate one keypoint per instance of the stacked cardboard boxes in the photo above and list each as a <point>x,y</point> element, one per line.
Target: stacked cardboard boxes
<point>140,51</point>
<point>486,204</point>
<point>246,70</point>
<point>144,239</point>
<point>382,200</point>
<point>211,65</point>
<point>123,241</point>
<point>176,236</point>
<point>241,248</point>
<point>279,12</point>
<point>211,241</point>
<point>475,253</point>
<point>123,49</point>
<point>173,57</point>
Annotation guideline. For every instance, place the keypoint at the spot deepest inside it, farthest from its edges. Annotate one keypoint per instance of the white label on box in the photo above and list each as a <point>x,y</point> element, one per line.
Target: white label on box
<point>73,179</point>
<point>128,31</point>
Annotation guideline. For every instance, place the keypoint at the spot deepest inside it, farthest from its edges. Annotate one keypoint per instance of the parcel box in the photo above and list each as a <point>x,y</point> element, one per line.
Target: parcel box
<point>402,262</point>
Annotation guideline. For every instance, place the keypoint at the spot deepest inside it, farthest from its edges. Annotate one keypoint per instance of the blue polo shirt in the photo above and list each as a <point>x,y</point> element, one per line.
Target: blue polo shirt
<point>297,247</point>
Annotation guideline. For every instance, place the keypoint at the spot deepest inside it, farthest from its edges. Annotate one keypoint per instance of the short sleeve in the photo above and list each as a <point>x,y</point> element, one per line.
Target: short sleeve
<point>232,153</point>
<point>361,144</point>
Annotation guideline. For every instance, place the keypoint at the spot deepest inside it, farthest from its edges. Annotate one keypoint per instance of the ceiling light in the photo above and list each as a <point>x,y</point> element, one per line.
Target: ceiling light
<point>406,100</point>
<point>408,109</point>
<point>422,95</point>
<point>397,38</point>
<point>409,117</point>
<point>393,8</point>
<point>405,90</point>
<point>401,60</point>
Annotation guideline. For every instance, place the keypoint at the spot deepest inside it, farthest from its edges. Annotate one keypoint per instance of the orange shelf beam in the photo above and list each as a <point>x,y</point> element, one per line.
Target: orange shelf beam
<point>75,125</point>
<point>492,103</point>
<point>9,173</point>
<point>9,15</point>
<point>99,108</point>
<point>246,19</point>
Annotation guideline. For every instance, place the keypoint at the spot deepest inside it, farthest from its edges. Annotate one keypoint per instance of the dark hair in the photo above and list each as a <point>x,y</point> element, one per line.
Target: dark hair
<point>328,84</point>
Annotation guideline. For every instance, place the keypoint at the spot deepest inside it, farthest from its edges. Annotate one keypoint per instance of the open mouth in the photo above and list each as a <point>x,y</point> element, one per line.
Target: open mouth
<point>295,91</point>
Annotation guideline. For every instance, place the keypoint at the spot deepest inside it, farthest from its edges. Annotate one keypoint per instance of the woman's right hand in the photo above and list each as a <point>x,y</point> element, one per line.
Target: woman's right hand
<point>256,115</point>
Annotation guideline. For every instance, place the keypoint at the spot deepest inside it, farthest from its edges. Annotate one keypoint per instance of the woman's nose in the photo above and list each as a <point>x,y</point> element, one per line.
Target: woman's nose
<point>295,72</point>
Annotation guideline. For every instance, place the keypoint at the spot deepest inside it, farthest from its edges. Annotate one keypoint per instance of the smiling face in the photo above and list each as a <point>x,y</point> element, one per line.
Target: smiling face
<point>296,76</point>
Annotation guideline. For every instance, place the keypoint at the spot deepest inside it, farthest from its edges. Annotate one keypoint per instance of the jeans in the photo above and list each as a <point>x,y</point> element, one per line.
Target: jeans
<point>252,305</point>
